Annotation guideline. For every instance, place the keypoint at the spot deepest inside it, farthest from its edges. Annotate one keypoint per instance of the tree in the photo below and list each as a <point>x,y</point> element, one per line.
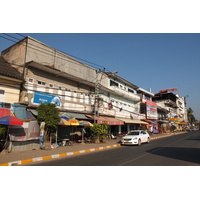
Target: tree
<point>49,114</point>
<point>190,116</point>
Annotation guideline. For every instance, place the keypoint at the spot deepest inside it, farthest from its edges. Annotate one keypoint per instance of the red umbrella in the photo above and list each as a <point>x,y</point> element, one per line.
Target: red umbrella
<point>10,120</point>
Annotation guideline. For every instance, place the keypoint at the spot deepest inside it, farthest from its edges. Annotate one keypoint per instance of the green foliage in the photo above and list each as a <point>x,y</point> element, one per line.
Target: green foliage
<point>143,128</point>
<point>2,131</point>
<point>172,128</point>
<point>49,114</point>
<point>99,129</point>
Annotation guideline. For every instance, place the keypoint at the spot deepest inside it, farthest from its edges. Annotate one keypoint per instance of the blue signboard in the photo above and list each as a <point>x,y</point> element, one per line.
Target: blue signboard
<point>45,98</point>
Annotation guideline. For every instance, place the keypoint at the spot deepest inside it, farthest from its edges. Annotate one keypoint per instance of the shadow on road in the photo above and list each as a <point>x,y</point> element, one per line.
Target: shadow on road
<point>186,154</point>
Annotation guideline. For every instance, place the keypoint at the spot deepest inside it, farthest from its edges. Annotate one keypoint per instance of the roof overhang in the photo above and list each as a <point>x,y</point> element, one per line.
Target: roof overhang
<point>132,121</point>
<point>58,73</point>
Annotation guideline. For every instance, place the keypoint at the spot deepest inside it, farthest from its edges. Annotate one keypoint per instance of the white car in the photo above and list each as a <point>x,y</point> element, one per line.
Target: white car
<point>136,137</point>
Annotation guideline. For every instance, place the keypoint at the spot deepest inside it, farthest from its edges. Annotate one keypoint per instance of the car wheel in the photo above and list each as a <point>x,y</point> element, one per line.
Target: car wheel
<point>139,142</point>
<point>148,140</point>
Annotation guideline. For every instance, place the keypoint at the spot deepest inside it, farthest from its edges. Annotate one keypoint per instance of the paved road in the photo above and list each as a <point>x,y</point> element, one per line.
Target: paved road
<point>177,150</point>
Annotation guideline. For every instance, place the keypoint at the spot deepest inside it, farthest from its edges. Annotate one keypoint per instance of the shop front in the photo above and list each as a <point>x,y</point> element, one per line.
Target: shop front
<point>131,124</point>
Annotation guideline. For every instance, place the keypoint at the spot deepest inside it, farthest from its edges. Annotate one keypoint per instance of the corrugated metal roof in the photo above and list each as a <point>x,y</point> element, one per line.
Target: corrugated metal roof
<point>7,70</point>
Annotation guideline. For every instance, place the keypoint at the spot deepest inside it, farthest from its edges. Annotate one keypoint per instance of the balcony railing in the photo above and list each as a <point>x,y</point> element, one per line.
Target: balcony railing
<point>125,93</point>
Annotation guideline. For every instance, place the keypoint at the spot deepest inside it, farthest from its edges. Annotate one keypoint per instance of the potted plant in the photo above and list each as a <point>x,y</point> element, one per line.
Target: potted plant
<point>99,132</point>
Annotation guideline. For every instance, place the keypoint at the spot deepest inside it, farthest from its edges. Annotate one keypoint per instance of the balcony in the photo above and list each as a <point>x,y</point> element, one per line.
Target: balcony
<point>167,102</point>
<point>125,94</point>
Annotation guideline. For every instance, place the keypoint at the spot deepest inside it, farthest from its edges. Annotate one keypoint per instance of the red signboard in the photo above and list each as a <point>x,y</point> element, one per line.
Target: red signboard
<point>173,89</point>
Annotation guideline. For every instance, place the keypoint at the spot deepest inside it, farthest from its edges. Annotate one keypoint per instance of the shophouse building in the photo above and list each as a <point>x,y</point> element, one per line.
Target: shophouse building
<point>148,109</point>
<point>51,76</point>
<point>172,109</point>
<point>10,84</point>
<point>125,103</point>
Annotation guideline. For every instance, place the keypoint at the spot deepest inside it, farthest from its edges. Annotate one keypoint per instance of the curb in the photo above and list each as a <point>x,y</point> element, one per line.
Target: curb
<point>61,155</point>
<point>22,162</point>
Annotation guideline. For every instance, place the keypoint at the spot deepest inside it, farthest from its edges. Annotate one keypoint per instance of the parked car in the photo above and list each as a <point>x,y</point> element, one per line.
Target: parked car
<point>136,137</point>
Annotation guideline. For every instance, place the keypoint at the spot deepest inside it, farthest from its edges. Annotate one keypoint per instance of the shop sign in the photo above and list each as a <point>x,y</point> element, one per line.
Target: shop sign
<point>170,90</point>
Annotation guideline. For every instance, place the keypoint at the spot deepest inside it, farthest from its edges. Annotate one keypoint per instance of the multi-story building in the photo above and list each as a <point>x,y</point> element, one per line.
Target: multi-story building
<point>10,84</point>
<point>125,102</point>
<point>52,76</point>
<point>172,107</point>
<point>148,109</point>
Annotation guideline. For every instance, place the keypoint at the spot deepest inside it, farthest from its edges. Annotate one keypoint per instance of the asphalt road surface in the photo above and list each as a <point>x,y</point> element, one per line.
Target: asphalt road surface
<point>177,150</point>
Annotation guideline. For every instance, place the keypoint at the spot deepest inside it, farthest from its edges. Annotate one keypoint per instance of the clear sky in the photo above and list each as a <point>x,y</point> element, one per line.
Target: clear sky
<point>148,60</point>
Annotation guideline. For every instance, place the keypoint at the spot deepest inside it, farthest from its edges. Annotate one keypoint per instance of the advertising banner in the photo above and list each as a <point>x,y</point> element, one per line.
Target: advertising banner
<point>45,98</point>
<point>151,110</point>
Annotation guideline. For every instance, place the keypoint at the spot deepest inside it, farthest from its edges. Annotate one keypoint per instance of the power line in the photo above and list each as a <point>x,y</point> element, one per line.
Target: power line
<point>74,56</point>
<point>56,50</point>
<point>11,36</point>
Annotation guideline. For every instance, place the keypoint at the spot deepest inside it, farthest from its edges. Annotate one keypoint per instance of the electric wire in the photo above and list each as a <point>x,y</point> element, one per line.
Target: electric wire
<point>52,54</point>
<point>45,51</point>
<point>75,56</point>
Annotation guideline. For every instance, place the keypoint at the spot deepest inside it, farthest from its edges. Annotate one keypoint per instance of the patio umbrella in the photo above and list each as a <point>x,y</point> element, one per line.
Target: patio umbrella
<point>72,121</point>
<point>63,122</point>
<point>10,120</point>
<point>85,123</point>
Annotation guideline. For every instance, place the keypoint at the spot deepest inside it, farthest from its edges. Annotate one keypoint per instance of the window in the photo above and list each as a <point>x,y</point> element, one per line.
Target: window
<point>60,88</point>
<point>113,83</point>
<point>40,83</point>
<point>2,91</point>
<point>30,80</point>
<point>129,90</point>
<point>51,85</point>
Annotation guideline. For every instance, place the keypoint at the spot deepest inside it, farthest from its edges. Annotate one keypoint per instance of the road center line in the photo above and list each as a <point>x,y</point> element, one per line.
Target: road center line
<point>152,152</point>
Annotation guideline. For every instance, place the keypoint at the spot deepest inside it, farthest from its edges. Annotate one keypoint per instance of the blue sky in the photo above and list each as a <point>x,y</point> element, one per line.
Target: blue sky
<point>148,60</point>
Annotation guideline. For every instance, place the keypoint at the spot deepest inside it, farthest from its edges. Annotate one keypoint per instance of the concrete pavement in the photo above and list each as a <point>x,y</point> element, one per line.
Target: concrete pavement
<point>25,157</point>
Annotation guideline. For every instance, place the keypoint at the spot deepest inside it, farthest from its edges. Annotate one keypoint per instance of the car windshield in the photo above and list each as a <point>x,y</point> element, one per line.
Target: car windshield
<point>134,133</point>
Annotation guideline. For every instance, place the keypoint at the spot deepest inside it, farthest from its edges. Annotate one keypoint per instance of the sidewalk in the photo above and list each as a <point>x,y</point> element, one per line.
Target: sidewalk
<point>24,157</point>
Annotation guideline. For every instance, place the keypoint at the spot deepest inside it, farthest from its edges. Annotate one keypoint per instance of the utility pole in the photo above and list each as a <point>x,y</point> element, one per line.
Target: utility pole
<point>96,98</point>
<point>99,77</point>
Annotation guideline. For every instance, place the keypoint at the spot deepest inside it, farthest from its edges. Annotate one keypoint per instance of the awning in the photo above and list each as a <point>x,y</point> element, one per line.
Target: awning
<point>35,112</point>
<point>175,119</point>
<point>106,120</point>
<point>184,123</point>
<point>132,121</point>
<point>113,121</point>
<point>147,120</point>
<point>78,115</point>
